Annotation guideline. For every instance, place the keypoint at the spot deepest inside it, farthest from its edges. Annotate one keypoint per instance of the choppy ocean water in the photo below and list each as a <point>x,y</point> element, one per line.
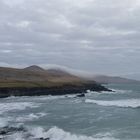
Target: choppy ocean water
<point>98,116</point>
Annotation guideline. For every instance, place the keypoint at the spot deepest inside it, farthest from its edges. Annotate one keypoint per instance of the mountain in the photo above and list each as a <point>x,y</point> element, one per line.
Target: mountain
<point>35,75</point>
<point>114,80</point>
<point>34,68</point>
<point>133,76</point>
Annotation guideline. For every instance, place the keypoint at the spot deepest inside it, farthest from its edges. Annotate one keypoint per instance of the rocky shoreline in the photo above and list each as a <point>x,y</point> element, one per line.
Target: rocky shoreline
<point>60,90</point>
<point>8,131</point>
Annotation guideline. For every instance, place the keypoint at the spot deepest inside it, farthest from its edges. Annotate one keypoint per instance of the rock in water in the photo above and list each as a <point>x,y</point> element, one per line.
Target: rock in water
<point>44,138</point>
<point>81,95</point>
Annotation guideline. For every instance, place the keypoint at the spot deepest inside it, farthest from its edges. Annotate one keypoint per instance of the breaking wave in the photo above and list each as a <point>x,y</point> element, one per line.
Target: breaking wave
<point>114,91</point>
<point>130,103</point>
<point>53,133</point>
<point>120,91</point>
<point>41,98</point>
<point>30,117</point>
<point>5,107</point>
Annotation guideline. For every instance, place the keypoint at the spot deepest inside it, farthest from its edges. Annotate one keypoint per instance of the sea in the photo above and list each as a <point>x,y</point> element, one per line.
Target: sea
<point>98,116</point>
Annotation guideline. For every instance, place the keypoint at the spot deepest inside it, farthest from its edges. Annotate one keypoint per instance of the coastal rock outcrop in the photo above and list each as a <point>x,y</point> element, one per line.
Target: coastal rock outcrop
<point>38,91</point>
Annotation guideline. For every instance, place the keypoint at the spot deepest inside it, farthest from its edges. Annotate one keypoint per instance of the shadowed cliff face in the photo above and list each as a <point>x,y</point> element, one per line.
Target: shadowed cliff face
<point>58,90</point>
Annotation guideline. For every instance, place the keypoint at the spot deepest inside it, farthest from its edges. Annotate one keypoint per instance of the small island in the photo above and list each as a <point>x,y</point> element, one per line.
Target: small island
<point>36,81</point>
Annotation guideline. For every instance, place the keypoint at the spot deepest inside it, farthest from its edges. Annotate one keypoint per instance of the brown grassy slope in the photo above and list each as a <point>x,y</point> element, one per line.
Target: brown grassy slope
<point>35,76</point>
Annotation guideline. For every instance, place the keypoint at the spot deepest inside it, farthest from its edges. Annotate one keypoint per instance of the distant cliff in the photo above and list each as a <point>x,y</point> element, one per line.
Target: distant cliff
<point>114,80</point>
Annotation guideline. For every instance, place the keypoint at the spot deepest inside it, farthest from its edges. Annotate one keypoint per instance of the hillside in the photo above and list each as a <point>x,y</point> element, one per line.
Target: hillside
<point>34,68</point>
<point>133,76</point>
<point>35,76</point>
<point>114,80</point>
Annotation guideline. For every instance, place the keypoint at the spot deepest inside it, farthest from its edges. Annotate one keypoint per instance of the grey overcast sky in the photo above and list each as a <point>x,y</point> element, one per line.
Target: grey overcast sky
<point>99,36</point>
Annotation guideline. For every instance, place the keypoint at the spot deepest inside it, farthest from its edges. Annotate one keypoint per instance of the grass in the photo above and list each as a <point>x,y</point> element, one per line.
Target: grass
<point>10,77</point>
<point>29,84</point>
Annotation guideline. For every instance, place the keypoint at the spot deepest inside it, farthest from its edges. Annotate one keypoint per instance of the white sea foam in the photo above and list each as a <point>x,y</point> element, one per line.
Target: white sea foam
<point>44,98</point>
<point>120,91</point>
<point>21,119</point>
<point>56,133</point>
<point>132,103</point>
<point>16,136</point>
<point>49,97</point>
<point>41,98</point>
<point>30,117</point>
<point>35,98</point>
<point>5,107</point>
<point>56,97</point>
<point>114,91</point>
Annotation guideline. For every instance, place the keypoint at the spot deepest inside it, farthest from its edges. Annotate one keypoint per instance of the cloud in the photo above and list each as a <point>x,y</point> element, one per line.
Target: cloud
<point>91,35</point>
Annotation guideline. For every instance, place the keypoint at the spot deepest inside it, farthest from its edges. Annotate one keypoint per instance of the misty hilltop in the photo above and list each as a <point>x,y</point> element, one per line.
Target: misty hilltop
<point>104,79</point>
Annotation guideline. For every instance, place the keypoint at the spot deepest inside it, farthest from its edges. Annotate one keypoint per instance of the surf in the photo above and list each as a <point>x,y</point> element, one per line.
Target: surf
<point>127,103</point>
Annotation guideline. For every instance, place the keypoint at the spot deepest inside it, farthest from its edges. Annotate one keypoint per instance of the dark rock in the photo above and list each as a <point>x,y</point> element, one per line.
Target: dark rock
<point>3,132</point>
<point>44,138</point>
<point>81,95</point>
<point>62,90</point>
<point>9,130</point>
